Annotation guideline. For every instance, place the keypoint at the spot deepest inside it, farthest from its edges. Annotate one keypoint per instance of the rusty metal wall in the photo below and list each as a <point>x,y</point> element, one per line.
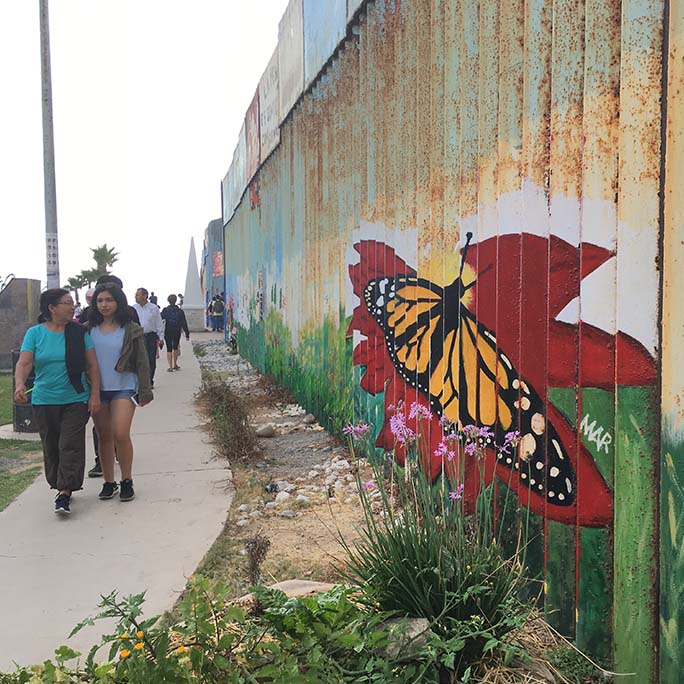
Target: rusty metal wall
<point>536,128</point>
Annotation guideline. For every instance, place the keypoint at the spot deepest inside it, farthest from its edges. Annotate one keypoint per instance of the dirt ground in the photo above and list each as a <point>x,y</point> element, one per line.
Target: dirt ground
<point>307,545</point>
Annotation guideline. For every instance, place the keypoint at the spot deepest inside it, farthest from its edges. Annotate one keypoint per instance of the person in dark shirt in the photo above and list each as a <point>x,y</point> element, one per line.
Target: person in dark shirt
<point>174,322</point>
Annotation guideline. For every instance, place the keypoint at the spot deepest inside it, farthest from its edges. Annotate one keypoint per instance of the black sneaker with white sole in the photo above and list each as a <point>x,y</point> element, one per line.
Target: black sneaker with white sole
<point>62,504</point>
<point>108,490</point>
<point>96,470</point>
<point>127,493</point>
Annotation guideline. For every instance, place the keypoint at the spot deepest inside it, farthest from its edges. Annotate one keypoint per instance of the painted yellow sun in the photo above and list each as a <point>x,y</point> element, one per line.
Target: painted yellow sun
<point>443,268</point>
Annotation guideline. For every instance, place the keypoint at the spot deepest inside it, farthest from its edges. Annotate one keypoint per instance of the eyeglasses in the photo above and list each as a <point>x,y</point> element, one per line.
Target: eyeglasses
<point>65,303</point>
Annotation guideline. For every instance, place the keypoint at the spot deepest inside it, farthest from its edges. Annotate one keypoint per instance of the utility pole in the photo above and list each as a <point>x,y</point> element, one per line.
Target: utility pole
<point>51,241</point>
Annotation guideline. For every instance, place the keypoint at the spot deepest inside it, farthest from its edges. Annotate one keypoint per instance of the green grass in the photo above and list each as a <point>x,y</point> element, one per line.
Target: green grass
<point>11,485</point>
<point>5,398</point>
<point>19,466</point>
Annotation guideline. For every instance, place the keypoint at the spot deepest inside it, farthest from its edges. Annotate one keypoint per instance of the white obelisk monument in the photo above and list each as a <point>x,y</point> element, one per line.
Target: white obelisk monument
<point>193,302</point>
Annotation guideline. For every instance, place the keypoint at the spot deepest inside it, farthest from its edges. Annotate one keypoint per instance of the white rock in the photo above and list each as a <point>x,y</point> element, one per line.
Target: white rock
<point>244,508</point>
<point>282,496</point>
<point>271,505</point>
<point>302,498</point>
<point>256,514</point>
<point>243,522</point>
<point>287,514</point>
<point>285,486</point>
<point>312,473</point>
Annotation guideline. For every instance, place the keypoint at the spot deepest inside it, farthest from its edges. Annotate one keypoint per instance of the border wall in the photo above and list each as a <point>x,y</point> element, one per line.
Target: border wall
<point>431,199</point>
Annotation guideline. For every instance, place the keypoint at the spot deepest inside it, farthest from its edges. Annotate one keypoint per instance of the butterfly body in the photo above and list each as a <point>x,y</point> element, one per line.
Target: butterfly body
<point>438,347</point>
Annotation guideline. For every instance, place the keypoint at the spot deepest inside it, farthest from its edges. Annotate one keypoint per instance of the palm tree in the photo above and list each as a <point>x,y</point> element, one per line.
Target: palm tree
<point>104,258</point>
<point>75,283</point>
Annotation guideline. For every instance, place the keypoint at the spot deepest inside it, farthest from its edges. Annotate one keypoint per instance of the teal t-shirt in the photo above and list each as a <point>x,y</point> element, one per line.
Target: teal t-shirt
<point>51,382</point>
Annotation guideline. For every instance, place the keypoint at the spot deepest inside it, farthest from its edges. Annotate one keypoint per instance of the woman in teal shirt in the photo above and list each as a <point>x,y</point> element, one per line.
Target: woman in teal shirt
<point>61,354</point>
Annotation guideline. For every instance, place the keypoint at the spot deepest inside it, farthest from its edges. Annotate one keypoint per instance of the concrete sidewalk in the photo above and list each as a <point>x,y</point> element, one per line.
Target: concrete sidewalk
<point>53,569</point>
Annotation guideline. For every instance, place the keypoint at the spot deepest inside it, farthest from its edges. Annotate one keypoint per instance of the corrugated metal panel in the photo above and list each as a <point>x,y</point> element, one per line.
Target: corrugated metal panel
<point>269,108</point>
<point>291,56</point>
<point>325,25</point>
<point>252,138</point>
<point>535,125</point>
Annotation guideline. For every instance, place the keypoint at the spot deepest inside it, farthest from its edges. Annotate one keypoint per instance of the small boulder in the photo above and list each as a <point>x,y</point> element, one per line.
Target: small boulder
<point>309,419</point>
<point>267,430</point>
<point>287,514</point>
<point>282,496</point>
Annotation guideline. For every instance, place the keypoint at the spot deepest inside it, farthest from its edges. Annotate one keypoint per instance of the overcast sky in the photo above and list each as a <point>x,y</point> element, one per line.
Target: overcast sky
<point>149,97</point>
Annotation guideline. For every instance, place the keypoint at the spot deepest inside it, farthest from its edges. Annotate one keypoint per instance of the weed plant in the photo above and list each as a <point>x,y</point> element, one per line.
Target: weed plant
<point>231,434</point>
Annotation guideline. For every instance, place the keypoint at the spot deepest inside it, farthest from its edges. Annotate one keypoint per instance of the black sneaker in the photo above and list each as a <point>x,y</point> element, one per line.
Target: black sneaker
<point>127,493</point>
<point>108,490</point>
<point>96,470</point>
<point>62,504</point>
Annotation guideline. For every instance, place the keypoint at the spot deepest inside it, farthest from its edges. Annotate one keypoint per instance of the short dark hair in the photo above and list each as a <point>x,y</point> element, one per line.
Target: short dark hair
<point>123,313</point>
<point>50,298</point>
<point>171,299</point>
<point>144,291</point>
<point>108,278</point>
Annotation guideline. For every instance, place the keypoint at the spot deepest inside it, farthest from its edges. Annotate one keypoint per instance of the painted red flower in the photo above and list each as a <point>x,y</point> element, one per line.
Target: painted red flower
<point>546,274</point>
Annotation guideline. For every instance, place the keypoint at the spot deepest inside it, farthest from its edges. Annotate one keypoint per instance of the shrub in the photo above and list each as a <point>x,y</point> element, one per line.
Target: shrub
<point>423,555</point>
<point>231,433</point>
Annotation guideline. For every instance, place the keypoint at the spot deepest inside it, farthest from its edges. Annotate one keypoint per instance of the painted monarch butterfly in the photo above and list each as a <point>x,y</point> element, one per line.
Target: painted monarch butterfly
<point>438,347</point>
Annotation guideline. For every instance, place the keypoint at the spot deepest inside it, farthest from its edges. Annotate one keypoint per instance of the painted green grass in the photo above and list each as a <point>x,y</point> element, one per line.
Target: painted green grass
<point>672,553</point>
<point>5,398</point>
<point>317,370</point>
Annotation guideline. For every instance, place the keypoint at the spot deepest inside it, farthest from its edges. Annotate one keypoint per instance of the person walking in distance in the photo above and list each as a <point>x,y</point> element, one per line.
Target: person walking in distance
<point>151,321</point>
<point>65,391</point>
<point>153,299</point>
<point>125,372</point>
<point>217,308</point>
<point>175,323</point>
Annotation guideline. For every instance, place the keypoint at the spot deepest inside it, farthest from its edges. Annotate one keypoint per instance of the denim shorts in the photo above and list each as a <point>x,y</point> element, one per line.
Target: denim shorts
<point>108,395</point>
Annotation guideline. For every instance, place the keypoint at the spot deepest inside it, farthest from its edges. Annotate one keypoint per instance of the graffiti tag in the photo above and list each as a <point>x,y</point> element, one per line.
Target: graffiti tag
<point>596,433</point>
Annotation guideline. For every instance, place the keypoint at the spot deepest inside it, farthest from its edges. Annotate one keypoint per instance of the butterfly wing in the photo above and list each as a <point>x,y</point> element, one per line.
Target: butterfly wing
<point>450,357</point>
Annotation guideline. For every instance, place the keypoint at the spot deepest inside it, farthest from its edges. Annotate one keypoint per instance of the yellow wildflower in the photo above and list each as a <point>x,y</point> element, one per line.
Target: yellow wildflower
<point>123,636</point>
<point>138,646</point>
<point>181,649</point>
<point>125,653</point>
<point>139,634</point>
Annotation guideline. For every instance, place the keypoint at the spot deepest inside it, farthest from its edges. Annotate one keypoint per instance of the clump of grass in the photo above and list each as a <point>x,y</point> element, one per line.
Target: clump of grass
<point>231,434</point>
<point>199,350</point>
<point>257,548</point>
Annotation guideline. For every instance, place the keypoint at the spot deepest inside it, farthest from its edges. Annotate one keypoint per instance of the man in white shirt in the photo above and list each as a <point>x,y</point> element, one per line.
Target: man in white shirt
<point>151,321</point>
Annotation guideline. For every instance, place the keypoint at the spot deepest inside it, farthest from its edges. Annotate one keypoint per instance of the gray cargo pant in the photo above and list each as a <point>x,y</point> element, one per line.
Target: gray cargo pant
<point>62,432</point>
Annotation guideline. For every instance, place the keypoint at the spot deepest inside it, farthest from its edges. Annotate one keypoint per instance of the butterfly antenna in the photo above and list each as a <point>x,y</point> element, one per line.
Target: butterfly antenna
<point>464,253</point>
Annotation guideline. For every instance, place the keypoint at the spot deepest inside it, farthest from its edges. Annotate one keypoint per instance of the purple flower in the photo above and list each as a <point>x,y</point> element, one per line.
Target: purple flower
<point>442,449</point>
<point>357,432</point>
<point>458,494</point>
<point>451,455</point>
<point>471,431</point>
<point>444,422</point>
<point>419,410</point>
<point>402,433</point>
<point>470,448</point>
<point>369,485</point>
<point>485,432</point>
<point>512,438</point>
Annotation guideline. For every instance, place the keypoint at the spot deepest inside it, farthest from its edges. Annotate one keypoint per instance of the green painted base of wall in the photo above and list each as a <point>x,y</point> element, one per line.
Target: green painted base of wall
<point>317,370</point>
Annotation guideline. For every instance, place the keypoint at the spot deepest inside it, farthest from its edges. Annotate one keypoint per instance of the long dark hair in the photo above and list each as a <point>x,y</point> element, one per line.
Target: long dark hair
<point>47,299</point>
<point>122,315</point>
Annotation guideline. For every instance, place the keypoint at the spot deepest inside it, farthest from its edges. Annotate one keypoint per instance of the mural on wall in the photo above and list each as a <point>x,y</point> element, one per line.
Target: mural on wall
<point>425,343</point>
